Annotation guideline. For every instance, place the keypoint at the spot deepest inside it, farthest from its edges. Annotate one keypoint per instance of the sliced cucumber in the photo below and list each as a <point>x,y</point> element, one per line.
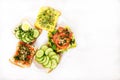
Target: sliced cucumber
<point>39,53</point>
<point>23,38</point>
<point>17,34</point>
<point>31,34</point>
<point>44,60</point>
<point>27,38</point>
<point>35,33</point>
<point>39,59</point>
<point>48,51</point>
<point>21,34</point>
<point>56,57</point>
<point>31,37</point>
<point>25,26</point>
<point>54,64</point>
<point>47,60</point>
<point>48,65</point>
<point>51,54</point>
<point>44,47</point>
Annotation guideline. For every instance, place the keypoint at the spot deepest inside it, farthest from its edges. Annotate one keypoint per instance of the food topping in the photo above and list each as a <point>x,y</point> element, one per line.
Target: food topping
<point>47,57</point>
<point>61,39</point>
<point>25,33</point>
<point>47,18</point>
<point>24,52</point>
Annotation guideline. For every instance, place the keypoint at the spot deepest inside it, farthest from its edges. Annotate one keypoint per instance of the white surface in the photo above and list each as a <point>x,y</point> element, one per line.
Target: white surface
<point>96,25</point>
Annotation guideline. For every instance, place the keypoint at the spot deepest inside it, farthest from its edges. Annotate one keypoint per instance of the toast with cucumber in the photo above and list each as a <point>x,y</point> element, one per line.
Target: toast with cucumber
<point>26,33</point>
<point>47,58</point>
<point>24,55</point>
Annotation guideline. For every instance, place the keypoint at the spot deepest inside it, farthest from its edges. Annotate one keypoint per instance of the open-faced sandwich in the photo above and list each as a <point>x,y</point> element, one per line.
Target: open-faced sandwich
<point>47,18</point>
<point>26,33</point>
<point>61,39</point>
<point>24,55</point>
<point>47,58</point>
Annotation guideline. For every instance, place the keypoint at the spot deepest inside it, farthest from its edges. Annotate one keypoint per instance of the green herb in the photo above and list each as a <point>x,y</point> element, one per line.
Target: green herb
<point>16,57</point>
<point>54,47</point>
<point>54,31</point>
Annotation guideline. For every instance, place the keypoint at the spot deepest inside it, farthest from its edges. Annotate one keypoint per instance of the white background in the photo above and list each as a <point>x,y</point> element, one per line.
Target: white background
<point>96,25</point>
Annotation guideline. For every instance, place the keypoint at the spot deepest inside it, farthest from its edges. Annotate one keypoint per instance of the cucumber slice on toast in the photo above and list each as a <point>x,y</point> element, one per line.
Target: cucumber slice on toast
<point>31,37</point>
<point>17,34</point>
<point>25,26</point>
<point>44,59</point>
<point>48,65</point>
<point>27,38</point>
<point>53,64</point>
<point>23,38</point>
<point>39,53</point>
<point>39,59</point>
<point>51,54</point>
<point>48,51</point>
<point>44,47</point>
<point>47,60</point>
<point>35,33</point>
<point>56,57</point>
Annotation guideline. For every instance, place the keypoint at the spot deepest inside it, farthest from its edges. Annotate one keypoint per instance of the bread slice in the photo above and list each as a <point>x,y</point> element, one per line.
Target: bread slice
<point>23,63</point>
<point>47,18</point>
<point>72,41</point>
<point>26,35</point>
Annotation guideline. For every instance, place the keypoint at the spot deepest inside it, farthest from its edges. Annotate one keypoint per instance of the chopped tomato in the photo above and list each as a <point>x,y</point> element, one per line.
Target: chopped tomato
<point>71,34</point>
<point>62,34</point>
<point>17,53</point>
<point>24,51</point>
<point>64,45</point>
<point>31,48</point>
<point>55,37</point>
<point>60,29</point>
<point>28,56</point>
<point>62,38</point>
<point>20,42</point>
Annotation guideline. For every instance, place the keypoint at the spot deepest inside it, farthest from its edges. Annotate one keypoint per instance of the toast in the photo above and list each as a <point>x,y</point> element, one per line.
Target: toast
<point>46,58</point>
<point>24,55</point>
<point>25,32</point>
<point>61,39</point>
<point>47,18</point>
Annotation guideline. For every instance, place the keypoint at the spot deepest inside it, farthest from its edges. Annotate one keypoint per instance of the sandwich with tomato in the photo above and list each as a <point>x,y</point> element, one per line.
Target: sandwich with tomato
<point>24,55</point>
<point>61,39</point>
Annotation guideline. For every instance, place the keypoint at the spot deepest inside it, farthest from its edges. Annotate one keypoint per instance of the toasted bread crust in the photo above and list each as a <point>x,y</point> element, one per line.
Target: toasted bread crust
<point>12,60</point>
